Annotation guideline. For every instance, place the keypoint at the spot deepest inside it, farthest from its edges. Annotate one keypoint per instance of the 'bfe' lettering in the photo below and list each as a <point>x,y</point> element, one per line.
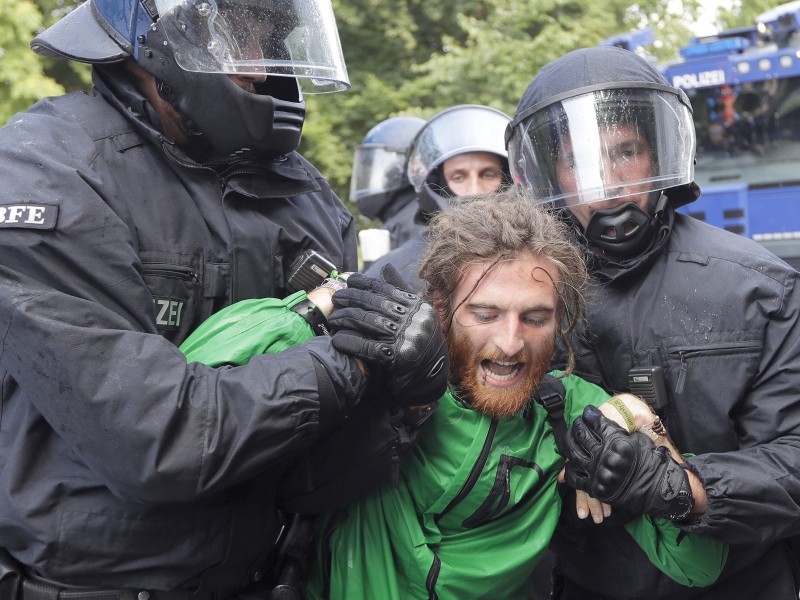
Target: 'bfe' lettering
<point>168,313</point>
<point>32,216</point>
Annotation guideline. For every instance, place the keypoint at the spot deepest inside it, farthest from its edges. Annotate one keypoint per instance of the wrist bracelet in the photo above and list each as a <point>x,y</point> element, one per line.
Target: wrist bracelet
<point>313,315</point>
<point>654,430</point>
<point>626,413</point>
<point>334,284</point>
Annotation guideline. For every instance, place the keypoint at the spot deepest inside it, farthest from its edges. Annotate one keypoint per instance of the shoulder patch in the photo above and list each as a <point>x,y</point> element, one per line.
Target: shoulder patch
<point>31,216</point>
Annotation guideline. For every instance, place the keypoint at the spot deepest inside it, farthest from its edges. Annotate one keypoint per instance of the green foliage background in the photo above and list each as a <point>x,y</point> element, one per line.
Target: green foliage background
<point>404,57</point>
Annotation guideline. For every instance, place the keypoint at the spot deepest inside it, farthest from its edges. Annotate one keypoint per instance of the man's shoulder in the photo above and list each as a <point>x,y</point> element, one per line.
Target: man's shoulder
<point>68,121</point>
<point>576,383</point>
<point>695,241</point>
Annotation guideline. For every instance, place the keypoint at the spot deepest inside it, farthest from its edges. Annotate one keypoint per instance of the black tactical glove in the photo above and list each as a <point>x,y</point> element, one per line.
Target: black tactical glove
<point>625,470</point>
<point>385,324</point>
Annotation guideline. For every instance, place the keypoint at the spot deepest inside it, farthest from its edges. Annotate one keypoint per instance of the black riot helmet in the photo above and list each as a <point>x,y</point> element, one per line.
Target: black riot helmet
<point>286,47</point>
<point>601,125</point>
<point>379,164</point>
<point>453,131</point>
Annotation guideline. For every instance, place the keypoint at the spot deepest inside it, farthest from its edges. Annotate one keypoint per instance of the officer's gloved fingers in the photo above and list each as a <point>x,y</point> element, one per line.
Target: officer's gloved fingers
<point>392,276</point>
<point>371,324</point>
<point>359,281</point>
<point>366,299</point>
<point>393,307</point>
<point>355,344</point>
<point>583,443</point>
<point>593,419</point>
<point>576,476</point>
<point>641,439</point>
<point>601,426</point>
<point>390,285</point>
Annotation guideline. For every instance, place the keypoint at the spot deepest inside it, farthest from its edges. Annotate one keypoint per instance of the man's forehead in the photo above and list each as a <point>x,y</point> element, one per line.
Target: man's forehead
<point>527,275</point>
<point>471,161</point>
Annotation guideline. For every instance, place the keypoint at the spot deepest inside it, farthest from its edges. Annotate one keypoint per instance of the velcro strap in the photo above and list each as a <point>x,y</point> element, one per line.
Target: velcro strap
<point>550,394</point>
<point>313,315</point>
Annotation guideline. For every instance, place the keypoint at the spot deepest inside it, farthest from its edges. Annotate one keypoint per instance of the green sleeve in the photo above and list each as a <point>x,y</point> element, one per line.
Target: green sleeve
<point>247,328</point>
<point>691,560</point>
<point>579,394</point>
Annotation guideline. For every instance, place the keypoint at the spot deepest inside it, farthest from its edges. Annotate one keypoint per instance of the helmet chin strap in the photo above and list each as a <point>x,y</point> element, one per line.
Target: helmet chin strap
<point>624,231</point>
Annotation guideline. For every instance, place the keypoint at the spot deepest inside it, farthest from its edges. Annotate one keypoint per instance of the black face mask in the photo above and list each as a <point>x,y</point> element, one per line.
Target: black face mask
<point>621,232</point>
<point>232,122</point>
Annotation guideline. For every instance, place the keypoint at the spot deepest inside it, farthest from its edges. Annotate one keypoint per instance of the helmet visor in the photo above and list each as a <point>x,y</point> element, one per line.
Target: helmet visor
<point>603,144</point>
<point>376,169</point>
<point>293,38</point>
<point>457,130</point>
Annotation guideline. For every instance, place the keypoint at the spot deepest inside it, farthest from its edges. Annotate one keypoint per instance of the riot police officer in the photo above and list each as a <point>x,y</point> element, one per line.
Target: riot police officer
<point>130,216</point>
<point>379,184</point>
<point>460,151</point>
<point>711,318</point>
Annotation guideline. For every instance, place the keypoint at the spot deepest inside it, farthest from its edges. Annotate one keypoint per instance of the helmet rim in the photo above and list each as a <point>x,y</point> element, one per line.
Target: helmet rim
<point>81,36</point>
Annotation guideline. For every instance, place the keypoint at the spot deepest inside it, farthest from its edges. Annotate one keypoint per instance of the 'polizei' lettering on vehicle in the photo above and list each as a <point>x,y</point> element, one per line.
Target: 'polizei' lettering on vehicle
<point>690,81</point>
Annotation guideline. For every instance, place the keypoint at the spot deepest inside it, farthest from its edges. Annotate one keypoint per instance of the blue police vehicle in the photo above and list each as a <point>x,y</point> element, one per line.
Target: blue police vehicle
<point>744,85</point>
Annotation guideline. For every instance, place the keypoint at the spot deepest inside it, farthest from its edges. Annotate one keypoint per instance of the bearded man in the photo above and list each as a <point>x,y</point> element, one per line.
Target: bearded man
<point>478,499</point>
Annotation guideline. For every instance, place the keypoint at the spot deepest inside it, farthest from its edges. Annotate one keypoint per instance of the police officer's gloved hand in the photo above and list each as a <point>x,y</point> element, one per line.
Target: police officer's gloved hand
<point>386,325</point>
<point>625,470</point>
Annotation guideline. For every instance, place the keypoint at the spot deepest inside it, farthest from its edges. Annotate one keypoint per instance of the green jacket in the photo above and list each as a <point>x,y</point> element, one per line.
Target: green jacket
<point>477,502</point>
<point>476,508</point>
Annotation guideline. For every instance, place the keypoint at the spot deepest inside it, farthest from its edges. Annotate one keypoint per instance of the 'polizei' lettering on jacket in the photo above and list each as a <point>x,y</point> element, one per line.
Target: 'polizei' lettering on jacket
<point>168,312</point>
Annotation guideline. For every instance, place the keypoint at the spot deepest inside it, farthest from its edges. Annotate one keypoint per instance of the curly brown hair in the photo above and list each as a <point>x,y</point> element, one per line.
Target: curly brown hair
<point>500,226</point>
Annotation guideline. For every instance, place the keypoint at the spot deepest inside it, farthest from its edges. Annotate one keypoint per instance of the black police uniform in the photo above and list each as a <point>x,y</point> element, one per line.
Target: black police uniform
<point>121,465</point>
<point>721,316</point>
<point>398,218</point>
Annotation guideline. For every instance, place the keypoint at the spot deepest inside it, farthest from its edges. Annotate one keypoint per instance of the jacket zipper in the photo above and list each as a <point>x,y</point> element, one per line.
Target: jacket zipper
<point>474,473</point>
<point>472,478</point>
<point>498,497</point>
<point>433,576</point>
<point>173,272</point>
<point>710,350</point>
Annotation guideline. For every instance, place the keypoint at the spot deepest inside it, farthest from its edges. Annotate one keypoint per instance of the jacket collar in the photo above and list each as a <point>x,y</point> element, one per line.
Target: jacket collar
<point>279,178</point>
<point>608,270</point>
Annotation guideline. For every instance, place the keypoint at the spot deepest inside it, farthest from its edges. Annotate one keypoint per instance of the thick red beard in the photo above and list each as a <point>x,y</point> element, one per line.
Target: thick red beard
<point>465,364</point>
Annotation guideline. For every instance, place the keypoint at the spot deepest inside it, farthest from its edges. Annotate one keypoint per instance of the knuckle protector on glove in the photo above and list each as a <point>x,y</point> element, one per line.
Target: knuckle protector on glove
<point>385,324</point>
<point>615,469</point>
<point>602,457</point>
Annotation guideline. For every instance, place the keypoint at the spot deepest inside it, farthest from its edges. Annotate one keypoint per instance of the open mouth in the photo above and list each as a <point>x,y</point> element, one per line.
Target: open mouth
<point>500,373</point>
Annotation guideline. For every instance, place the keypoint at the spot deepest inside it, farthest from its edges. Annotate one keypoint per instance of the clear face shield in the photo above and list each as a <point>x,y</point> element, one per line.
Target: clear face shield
<point>293,38</point>
<point>461,129</point>
<point>377,168</point>
<point>604,144</point>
